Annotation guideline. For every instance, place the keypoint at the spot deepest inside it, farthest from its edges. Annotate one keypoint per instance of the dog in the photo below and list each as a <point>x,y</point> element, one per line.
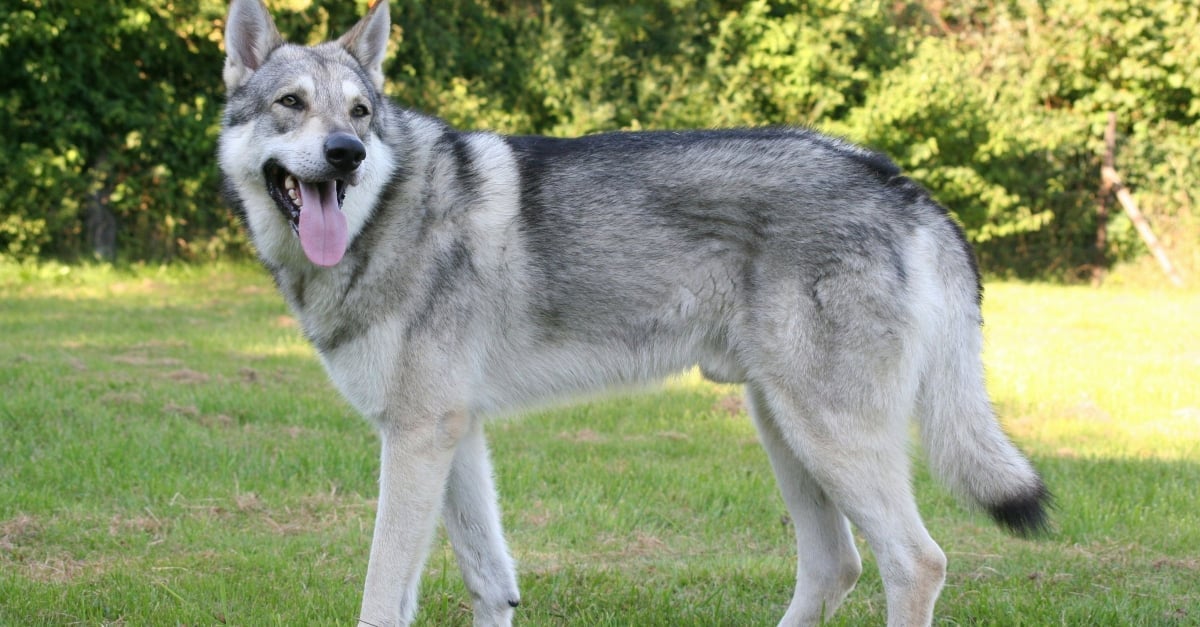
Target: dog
<point>445,277</point>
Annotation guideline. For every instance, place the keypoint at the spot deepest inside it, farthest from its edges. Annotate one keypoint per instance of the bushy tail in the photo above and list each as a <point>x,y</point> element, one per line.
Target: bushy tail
<point>965,445</point>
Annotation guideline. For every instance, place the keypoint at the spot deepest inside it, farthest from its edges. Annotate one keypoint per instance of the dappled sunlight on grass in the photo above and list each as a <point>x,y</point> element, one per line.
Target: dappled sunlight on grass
<point>179,283</point>
<point>1106,373</point>
<point>154,313</point>
<point>693,380</point>
<point>282,348</point>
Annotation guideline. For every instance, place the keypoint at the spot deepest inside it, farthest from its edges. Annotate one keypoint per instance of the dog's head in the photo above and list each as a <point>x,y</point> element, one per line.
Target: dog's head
<point>300,129</point>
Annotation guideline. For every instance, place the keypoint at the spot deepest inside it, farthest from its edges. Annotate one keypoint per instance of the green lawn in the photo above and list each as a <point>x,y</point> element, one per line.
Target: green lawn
<point>172,453</point>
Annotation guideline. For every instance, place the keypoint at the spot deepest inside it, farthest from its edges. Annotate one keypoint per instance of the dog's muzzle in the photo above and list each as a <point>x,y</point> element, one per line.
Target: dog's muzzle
<point>313,207</point>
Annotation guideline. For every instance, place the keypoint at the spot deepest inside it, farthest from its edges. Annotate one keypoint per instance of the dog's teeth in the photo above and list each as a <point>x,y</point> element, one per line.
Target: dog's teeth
<point>290,183</point>
<point>293,194</point>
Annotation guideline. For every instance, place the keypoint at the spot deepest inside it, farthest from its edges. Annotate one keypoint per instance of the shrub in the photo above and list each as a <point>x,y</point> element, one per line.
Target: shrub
<point>111,110</point>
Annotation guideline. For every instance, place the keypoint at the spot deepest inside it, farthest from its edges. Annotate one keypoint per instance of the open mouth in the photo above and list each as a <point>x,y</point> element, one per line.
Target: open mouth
<point>313,209</point>
<point>290,194</point>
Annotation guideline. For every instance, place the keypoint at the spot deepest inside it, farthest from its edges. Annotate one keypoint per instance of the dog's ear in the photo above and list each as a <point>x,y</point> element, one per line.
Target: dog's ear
<point>250,36</point>
<point>368,40</point>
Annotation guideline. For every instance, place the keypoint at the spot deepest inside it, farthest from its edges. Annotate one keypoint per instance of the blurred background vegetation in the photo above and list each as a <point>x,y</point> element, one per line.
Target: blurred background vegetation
<point>111,109</point>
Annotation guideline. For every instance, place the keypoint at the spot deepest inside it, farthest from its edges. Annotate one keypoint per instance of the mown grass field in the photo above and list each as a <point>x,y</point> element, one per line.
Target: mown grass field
<point>171,453</point>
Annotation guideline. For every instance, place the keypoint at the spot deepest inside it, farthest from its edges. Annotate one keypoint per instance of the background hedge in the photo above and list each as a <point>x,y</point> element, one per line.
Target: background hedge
<point>111,109</point>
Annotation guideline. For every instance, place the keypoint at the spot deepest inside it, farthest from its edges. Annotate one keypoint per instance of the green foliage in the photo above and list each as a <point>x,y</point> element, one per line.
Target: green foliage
<point>797,62</point>
<point>109,107</point>
<point>998,108</point>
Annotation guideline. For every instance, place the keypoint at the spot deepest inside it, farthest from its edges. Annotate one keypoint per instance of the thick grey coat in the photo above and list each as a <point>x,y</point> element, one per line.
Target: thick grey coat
<point>448,276</point>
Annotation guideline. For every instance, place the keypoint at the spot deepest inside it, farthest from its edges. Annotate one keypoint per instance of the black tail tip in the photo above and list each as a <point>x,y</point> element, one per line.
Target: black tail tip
<point>1025,515</point>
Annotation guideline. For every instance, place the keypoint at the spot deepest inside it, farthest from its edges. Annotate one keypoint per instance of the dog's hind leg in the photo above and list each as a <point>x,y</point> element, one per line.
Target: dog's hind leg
<point>860,461</point>
<point>828,562</point>
<point>837,359</point>
<point>415,466</point>
<point>472,520</point>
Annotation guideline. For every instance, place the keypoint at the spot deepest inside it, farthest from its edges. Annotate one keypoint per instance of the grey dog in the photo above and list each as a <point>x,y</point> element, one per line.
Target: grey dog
<point>447,276</point>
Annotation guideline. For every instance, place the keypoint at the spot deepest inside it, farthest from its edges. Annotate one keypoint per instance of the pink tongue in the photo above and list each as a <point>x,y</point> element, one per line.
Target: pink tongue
<point>322,224</point>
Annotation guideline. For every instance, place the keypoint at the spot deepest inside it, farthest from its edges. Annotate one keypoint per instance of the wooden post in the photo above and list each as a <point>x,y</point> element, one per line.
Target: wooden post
<point>1139,222</point>
<point>1110,182</point>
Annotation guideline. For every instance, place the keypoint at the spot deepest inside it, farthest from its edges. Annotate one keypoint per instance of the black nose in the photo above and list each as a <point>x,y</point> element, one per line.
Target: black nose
<point>344,152</point>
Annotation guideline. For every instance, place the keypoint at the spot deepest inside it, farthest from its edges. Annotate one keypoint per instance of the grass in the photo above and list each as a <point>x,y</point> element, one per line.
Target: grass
<point>171,452</point>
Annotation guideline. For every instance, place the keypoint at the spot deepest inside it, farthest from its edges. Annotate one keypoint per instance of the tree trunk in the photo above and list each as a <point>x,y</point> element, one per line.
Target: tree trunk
<point>100,224</point>
<point>1100,257</point>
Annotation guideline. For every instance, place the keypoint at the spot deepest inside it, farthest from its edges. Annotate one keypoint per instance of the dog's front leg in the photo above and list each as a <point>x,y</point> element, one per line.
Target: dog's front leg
<point>472,519</point>
<point>416,461</point>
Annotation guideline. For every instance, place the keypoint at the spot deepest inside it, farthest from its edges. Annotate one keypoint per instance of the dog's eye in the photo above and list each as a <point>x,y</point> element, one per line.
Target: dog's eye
<point>360,111</point>
<point>291,101</point>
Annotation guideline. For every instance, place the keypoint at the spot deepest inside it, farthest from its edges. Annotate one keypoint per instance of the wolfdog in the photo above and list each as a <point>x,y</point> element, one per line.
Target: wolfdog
<point>446,276</point>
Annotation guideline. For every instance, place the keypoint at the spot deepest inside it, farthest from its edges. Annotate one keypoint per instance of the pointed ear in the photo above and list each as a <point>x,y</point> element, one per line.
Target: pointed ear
<point>250,36</point>
<point>368,40</point>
